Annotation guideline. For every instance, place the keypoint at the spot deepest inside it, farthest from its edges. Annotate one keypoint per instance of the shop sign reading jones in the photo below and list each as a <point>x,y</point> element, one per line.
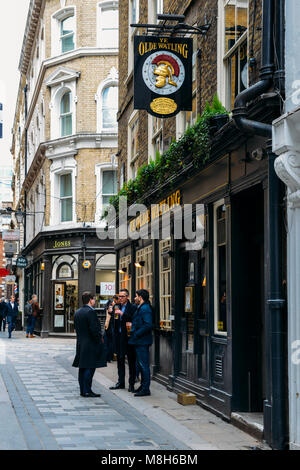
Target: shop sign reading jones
<point>164,206</point>
<point>61,244</point>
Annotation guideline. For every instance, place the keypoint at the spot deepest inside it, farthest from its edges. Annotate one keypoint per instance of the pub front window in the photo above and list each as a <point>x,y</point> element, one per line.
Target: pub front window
<point>144,273</point>
<point>165,279</point>
<point>220,268</point>
<point>125,274</point>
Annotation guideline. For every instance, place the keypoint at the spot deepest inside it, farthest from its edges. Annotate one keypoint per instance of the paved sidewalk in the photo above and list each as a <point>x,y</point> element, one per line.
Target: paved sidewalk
<point>40,407</point>
<point>192,424</point>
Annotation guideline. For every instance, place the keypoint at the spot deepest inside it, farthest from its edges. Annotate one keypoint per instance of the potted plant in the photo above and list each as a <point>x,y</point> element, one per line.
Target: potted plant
<point>218,115</point>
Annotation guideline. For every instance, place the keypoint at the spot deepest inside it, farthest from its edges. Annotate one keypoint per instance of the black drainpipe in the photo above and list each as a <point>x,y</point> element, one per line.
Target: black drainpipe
<point>275,426</point>
<point>25,163</point>
<point>239,113</point>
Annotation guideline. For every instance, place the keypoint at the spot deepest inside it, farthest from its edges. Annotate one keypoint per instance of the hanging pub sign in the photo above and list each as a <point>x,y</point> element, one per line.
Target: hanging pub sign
<point>163,75</point>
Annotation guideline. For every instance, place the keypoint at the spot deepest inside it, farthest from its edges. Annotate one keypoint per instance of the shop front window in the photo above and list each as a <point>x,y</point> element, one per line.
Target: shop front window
<point>65,292</point>
<point>203,297</point>
<point>220,273</point>
<point>38,282</point>
<point>144,270</point>
<point>105,279</point>
<point>165,284</point>
<point>125,273</point>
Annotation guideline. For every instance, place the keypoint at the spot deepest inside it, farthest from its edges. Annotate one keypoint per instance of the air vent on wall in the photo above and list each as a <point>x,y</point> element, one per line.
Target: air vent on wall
<point>219,367</point>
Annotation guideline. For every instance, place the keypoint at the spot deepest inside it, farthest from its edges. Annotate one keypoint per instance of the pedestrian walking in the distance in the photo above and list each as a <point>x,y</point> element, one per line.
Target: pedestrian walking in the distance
<point>2,314</point>
<point>12,312</point>
<point>32,310</point>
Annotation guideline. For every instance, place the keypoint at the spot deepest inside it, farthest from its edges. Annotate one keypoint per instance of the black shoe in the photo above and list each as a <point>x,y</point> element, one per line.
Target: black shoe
<point>117,386</point>
<point>131,389</point>
<point>142,394</point>
<point>91,394</point>
<point>139,389</point>
<point>95,394</point>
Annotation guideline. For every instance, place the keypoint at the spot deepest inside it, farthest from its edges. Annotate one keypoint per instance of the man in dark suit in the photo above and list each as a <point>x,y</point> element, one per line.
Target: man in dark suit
<point>12,312</point>
<point>141,338</point>
<point>2,314</point>
<point>122,316</point>
<point>90,352</point>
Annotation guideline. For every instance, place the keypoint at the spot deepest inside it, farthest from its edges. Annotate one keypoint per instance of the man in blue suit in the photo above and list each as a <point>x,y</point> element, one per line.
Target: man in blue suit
<point>141,338</point>
<point>12,312</point>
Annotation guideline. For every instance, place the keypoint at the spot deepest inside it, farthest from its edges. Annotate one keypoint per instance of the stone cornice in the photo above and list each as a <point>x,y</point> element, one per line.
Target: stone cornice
<point>71,144</point>
<point>34,168</point>
<point>29,35</point>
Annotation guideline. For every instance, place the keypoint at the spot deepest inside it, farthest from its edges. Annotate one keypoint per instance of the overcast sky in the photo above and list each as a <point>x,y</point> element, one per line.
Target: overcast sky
<point>13,15</point>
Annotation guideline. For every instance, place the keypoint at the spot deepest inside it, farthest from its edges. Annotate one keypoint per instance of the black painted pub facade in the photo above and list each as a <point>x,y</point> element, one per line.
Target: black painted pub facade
<point>213,332</point>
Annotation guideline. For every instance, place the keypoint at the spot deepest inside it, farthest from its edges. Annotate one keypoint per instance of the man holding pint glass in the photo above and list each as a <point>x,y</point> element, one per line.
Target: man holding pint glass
<point>123,315</point>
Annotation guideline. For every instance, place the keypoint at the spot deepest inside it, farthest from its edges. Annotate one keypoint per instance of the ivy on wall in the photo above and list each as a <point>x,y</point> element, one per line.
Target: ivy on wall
<point>194,145</point>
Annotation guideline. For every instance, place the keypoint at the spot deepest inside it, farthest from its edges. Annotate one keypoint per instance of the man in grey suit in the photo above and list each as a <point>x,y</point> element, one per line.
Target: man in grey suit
<point>90,353</point>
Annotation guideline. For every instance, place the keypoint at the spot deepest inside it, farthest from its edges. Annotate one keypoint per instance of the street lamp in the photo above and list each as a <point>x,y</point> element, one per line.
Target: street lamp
<point>19,215</point>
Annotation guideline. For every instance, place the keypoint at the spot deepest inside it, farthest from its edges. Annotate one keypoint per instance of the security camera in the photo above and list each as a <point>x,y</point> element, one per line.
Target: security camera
<point>258,154</point>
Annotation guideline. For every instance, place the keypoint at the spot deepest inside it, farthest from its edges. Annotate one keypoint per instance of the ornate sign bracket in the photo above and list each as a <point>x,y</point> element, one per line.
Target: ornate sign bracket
<point>167,30</point>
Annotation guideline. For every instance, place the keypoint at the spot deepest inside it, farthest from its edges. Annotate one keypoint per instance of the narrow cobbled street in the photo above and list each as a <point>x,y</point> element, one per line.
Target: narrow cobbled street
<point>42,409</point>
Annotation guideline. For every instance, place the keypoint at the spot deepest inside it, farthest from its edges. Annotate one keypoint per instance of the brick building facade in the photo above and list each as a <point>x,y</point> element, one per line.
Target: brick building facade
<point>64,149</point>
<point>213,321</point>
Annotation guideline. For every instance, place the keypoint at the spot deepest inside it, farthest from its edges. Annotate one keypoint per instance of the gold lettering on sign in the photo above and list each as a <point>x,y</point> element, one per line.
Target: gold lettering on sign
<point>156,211</point>
<point>181,49</point>
<point>163,106</point>
<point>62,244</point>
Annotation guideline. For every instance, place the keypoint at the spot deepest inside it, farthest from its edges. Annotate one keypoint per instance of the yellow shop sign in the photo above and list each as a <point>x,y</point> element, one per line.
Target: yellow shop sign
<point>161,208</point>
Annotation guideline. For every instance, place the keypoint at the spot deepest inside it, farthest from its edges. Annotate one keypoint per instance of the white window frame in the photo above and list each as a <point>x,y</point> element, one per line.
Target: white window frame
<point>222,57</point>
<point>131,160</point>
<point>216,268</point>
<point>70,113</point>
<point>59,167</point>
<point>99,170</point>
<point>56,20</point>
<point>125,278</point>
<point>144,275</point>
<point>55,131</point>
<point>132,32</point>
<point>152,136</point>
<point>64,197</point>
<point>107,5</point>
<point>181,117</point>
<point>108,82</point>
<point>155,7</point>
<point>165,245</point>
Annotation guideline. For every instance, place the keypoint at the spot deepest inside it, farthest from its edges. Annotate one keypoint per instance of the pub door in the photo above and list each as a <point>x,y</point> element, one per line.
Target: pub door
<point>65,303</point>
<point>193,321</point>
<point>247,263</point>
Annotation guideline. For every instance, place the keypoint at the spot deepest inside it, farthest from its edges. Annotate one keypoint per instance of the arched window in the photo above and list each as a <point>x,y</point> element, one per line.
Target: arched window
<point>66,114</point>
<point>67,28</point>
<point>64,271</point>
<point>65,267</point>
<point>109,107</point>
